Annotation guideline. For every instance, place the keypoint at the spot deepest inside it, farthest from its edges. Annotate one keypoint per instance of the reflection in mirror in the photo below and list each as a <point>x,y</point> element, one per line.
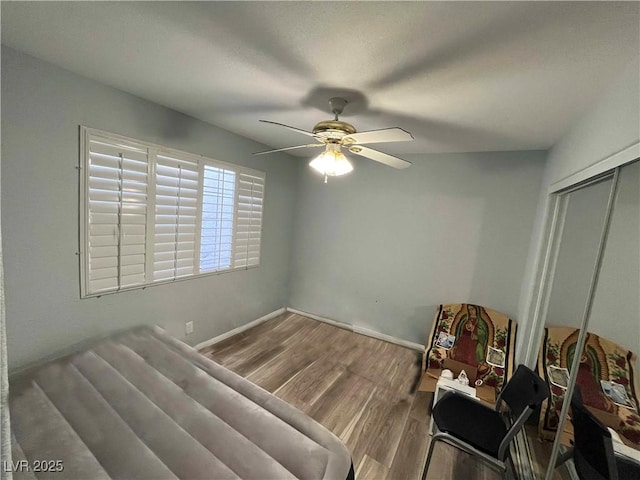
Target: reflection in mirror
<point>616,304</point>
<point>578,240</point>
<point>614,323</point>
<point>584,219</point>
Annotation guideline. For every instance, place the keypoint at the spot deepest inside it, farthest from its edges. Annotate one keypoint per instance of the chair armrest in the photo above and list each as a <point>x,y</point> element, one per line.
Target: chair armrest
<point>564,457</point>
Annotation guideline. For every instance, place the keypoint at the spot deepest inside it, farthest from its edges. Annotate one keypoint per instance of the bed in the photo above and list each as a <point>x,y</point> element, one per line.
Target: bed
<point>143,405</point>
<point>602,361</point>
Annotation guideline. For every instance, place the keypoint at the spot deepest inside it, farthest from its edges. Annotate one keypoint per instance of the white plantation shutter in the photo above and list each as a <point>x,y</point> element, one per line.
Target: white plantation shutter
<point>117,194</point>
<point>176,214</point>
<point>248,228</point>
<point>152,215</point>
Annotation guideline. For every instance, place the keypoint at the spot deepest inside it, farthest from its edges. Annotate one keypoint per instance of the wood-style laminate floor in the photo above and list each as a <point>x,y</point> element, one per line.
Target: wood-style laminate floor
<point>541,453</point>
<point>360,388</point>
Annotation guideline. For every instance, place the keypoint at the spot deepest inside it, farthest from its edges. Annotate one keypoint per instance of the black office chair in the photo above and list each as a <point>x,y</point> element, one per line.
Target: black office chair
<point>469,425</point>
<point>593,454</point>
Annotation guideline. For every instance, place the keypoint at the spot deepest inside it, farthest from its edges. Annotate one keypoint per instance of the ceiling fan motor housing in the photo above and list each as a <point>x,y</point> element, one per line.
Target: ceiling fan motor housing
<point>333,130</point>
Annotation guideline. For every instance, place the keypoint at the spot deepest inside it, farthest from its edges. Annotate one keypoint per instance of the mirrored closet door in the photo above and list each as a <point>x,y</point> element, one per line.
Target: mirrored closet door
<point>610,350</point>
<point>591,313</point>
<point>582,212</point>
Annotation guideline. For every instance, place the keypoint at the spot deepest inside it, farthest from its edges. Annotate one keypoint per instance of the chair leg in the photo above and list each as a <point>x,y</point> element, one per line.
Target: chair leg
<point>432,444</point>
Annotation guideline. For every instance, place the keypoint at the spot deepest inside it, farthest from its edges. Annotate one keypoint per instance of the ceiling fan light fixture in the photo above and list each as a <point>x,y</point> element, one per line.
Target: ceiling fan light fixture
<point>331,162</point>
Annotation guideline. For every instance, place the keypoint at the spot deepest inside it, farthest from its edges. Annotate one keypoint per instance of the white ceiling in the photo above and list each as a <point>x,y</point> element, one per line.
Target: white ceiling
<point>460,76</point>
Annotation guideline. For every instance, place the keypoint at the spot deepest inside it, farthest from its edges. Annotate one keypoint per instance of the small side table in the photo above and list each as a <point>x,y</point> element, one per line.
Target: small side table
<point>430,379</point>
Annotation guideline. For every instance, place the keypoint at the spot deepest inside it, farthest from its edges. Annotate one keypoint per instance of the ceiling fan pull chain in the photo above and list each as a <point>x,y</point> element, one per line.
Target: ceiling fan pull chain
<point>326,177</point>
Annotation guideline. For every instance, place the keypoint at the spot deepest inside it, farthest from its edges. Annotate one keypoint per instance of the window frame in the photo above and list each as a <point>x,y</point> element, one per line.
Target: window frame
<point>86,133</point>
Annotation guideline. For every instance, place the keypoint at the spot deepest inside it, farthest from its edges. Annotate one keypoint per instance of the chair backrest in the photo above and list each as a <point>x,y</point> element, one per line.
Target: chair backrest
<point>524,389</point>
<point>593,454</point>
<point>524,392</point>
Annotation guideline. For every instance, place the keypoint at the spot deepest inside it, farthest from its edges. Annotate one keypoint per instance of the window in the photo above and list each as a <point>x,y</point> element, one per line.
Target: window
<point>152,215</point>
<point>216,233</point>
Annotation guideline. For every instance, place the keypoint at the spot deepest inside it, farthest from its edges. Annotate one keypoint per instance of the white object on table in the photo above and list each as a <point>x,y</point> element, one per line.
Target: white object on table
<point>621,449</point>
<point>443,386</point>
<point>463,379</point>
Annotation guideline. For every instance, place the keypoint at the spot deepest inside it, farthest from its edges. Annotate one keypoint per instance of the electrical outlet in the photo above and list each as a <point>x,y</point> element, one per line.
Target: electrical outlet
<point>188,328</point>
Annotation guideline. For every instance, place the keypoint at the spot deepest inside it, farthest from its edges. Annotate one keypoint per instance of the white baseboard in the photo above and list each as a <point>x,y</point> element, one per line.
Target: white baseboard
<point>235,331</point>
<point>388,338</point>
<point>360,330</point>
<point>345,326</point>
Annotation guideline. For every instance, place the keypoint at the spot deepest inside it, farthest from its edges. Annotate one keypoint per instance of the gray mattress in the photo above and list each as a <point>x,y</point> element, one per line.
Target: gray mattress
<point>144,405</point>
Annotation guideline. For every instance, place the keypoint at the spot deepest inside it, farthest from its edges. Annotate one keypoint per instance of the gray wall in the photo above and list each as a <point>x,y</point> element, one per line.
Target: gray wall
<point>380,248</point>
<point>42,106</point>
<point>610,126</point>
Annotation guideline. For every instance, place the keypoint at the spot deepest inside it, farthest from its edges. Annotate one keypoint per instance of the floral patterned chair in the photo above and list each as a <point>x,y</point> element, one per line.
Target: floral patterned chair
<point>603,363</point>
<point>474,335</point>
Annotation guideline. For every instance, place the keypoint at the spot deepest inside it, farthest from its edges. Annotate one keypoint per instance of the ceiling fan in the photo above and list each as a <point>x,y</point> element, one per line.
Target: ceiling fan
<point>334,135</point>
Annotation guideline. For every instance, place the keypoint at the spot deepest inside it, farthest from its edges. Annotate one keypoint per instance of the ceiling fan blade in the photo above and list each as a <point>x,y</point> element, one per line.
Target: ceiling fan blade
<point>385,158</point>
<point>395,134</point>
<point>290,148</point>
<point>299,130</point>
